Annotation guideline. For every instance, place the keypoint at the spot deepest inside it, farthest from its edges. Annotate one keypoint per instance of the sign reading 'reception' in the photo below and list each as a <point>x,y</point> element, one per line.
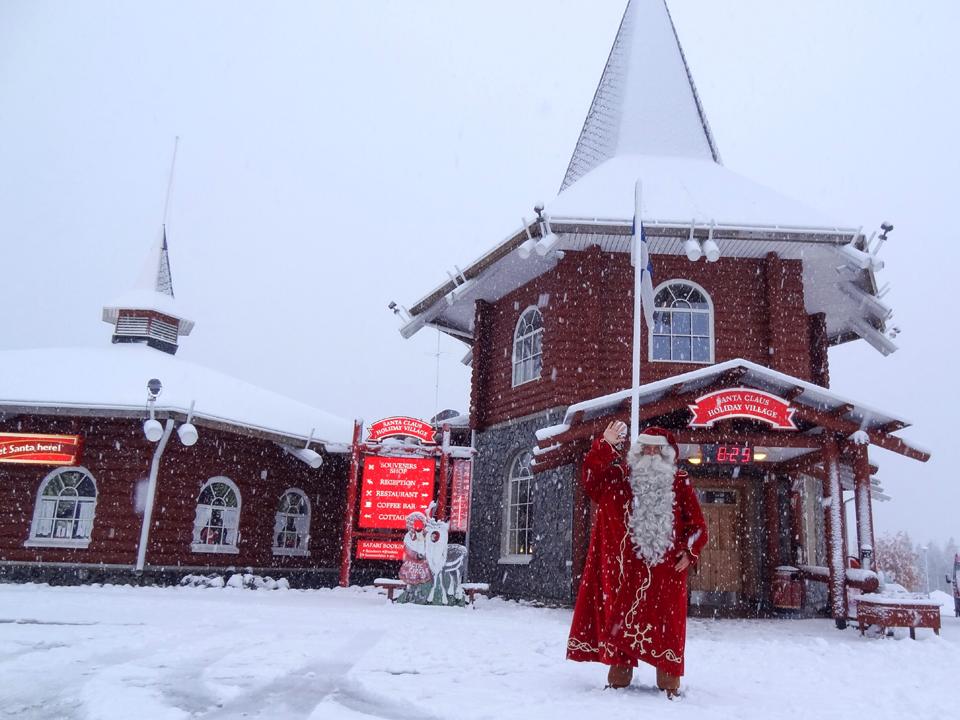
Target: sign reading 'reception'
<point>742,403</point>
<point>393,488</point>
<point>402,427</point>
<point>39,449</point>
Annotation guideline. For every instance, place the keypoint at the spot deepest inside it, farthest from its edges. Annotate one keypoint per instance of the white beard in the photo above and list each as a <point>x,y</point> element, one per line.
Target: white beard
<point>650,521</point>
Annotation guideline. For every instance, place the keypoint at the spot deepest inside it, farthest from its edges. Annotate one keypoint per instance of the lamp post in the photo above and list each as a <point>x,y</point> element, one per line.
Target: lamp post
<point>160,434</point>
<point>926,567</point>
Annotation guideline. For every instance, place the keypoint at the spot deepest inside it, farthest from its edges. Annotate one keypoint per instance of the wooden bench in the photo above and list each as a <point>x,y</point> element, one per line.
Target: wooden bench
<point>894,612</point>
<point>390,585</point>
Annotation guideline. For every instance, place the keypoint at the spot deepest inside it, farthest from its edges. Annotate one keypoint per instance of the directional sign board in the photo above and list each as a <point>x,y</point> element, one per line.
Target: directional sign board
<point>393,488</point>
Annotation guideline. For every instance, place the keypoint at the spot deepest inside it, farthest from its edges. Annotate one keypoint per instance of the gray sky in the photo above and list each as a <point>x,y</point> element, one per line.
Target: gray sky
<point>336,156</point>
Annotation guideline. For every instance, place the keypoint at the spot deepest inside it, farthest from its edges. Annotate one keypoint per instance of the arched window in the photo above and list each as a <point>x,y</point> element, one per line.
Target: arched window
<point>682,323</point>
<point>517,516</point>
<point>217,520</point>
<point>63,515</point>
<point>291,524</point>
<point>528,347</point>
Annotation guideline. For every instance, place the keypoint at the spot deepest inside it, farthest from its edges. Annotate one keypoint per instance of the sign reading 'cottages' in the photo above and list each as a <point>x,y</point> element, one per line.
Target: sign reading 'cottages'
<point>39,449</point>
<point>393,488</point>
<point>402,427</point>
<point>742,403</point>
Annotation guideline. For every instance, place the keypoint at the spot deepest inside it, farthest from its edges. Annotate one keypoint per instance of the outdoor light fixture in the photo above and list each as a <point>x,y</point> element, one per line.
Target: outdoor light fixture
<point>759,454</point>
<point>710,248</point>
<point>152,429</point>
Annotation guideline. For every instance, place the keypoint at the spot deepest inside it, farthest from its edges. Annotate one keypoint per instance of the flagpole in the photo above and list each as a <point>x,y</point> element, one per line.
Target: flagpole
<point>638,268</point>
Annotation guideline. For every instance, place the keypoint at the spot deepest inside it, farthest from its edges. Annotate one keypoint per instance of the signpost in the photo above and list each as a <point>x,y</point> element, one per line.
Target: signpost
<point>40,449</point>
<point>460,504</point>
<point>742,403</point>
<point>394,487</point>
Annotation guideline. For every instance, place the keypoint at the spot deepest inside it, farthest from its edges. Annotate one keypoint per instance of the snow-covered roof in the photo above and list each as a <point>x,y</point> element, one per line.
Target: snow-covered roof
<point>681,191</point>
<point>114,378</point>
<point>646,102</point>
<point>153,290</point>
<point>757,376</point>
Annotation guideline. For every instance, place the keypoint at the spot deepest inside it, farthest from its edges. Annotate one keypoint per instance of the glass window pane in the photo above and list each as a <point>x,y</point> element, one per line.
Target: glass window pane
<point>661,323</point>
<point>681,348</point>
<point>701,349</point>
<point>701,324</point>
<point>661,347</point>
<point>681,323</point>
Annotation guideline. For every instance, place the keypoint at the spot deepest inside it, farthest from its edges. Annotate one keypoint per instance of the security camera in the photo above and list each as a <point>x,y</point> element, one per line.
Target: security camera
<point>393,306</point>
<point>886,227</point>
<point>538,209</point>
<point>154,387</point>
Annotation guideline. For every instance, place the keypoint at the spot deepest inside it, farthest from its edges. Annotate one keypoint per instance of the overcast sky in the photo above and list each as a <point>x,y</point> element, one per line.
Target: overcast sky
<point>337,156</point>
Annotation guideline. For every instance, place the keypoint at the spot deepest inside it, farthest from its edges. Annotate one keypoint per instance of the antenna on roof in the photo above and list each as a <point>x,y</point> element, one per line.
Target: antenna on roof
<point>173,165</point>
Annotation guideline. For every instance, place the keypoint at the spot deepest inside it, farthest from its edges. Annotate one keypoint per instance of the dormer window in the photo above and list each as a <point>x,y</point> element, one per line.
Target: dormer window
<point>528,347</point>
<point>682,323</point>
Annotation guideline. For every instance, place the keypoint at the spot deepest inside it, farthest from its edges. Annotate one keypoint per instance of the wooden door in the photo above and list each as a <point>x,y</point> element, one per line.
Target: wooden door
<point>720,565</point>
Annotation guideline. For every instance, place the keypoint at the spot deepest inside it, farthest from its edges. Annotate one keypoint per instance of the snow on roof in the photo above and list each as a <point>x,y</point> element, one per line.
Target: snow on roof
<point>762,378</point>
<point>681,190</point>
<point>646,102</point>
<point>115,378</point>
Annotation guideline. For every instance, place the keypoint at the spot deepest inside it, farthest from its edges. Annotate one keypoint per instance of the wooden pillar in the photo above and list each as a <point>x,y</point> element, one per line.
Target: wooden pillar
<point>346,551</point>
<point>863,506</point>
<point>797,533</point>
<point>771,513</point>
<point>443,489</point>
<point>833,528</point>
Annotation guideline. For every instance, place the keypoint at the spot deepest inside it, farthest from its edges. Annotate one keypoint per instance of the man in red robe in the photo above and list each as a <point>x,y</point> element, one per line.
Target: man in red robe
<point>647,530</point>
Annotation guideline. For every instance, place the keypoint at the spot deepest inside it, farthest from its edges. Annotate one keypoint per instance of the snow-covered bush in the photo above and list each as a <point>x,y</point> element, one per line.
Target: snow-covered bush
<point>237,580</point>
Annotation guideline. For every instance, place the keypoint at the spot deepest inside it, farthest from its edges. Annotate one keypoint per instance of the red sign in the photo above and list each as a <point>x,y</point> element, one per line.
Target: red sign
<point>460,501</point>
<point>379,550</point>
<point>393,488</point>
<point>402,427</point>
<point>39,449</point>
<point>742,403</point>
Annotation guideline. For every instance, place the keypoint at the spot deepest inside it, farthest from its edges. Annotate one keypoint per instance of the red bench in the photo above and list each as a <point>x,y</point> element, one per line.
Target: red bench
<point>894,612</point>
<point>471,590</point>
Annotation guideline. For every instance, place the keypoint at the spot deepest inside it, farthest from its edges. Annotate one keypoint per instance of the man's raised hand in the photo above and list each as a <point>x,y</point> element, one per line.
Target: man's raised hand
<point>615,433</point>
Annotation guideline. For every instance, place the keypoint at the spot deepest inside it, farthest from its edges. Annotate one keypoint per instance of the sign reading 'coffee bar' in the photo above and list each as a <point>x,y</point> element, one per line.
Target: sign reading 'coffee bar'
<point>39,449</point>
<point>742,403</point>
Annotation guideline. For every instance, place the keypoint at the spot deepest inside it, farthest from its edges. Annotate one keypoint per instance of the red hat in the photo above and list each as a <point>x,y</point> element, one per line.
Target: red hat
<point>658,436</point>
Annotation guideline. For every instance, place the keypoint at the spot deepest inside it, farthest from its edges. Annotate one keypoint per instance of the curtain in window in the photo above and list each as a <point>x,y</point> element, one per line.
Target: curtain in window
<point>85,523</point>
<point>200,521</point>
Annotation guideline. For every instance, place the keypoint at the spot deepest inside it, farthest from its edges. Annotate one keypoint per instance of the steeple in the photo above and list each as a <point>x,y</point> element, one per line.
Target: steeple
<point>646,102</point>
<point>149,313</point>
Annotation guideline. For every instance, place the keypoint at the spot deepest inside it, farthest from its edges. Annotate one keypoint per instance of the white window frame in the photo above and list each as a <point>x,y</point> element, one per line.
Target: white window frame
<point>203,514</point>
<point>519,474</point>
<point>85,504</point>
<point>522,367</point>
<point>710,324</point>
<point>280,522</point>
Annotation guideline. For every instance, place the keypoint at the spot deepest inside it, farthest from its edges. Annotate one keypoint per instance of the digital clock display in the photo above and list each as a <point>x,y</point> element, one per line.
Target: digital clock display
<point>728,454</point>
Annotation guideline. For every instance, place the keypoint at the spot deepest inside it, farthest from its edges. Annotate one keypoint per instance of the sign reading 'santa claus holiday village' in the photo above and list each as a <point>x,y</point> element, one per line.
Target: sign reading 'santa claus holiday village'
<point>39,449</point>
<point>742,403</point>
<point>402,427</point>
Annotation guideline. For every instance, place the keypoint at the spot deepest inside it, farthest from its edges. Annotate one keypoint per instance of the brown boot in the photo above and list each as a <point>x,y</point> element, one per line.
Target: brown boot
<point>668,683</point>
<point>619,676</point>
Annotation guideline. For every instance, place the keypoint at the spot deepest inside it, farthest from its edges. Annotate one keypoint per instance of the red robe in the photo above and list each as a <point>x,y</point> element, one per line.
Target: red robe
<point>627,611</point>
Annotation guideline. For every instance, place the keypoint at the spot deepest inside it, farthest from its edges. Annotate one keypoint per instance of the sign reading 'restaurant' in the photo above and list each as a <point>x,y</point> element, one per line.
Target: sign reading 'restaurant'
<point>742,403</point>
<point>39,449</point>
<point>402,427</point>
<point>393,488</point>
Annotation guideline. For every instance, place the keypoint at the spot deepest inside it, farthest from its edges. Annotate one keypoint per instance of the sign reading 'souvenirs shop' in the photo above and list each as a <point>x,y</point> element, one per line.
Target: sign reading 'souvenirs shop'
<point>742,403</point>
<point>39,449</point>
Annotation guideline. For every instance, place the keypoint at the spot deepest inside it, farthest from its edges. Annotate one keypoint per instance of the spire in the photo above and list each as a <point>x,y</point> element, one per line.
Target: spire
<point>646,102</point>
<point>149,313</point>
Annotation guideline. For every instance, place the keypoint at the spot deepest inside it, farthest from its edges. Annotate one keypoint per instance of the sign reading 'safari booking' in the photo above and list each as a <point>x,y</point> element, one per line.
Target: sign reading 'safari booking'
<point>39,449</point>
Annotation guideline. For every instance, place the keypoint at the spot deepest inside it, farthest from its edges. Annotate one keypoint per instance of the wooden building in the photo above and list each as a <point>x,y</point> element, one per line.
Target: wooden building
<point>750,290</point>
<point>103,478</point>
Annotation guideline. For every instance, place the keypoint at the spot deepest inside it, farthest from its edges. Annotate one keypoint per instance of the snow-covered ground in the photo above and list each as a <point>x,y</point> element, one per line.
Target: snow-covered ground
<point>145,653</point>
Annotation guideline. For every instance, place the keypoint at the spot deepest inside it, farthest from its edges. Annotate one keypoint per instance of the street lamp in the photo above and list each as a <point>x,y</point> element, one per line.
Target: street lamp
<point>926,567</point>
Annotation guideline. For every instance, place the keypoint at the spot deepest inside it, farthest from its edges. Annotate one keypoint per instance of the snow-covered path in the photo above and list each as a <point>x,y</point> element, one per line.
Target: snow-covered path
<point>145,653</point>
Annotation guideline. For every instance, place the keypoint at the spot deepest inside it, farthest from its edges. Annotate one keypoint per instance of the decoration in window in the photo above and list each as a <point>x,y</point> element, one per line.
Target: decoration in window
<point>64,511</point>
<point>218,517</point>
<point>517,525</point>
<point>528,347</point>
<point>682,324</point>
<point>291,525</point>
